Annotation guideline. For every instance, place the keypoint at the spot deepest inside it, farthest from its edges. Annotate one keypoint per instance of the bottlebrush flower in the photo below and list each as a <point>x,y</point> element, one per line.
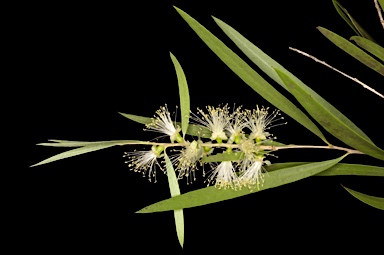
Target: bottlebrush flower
<point>215,120</point>
<point>144,162</point>
<point>253,175</point>
<point>224,176</point>
<point>249,149</point>
<point>162,123</point>
<point>258,121</point>
<point>235,125</point>
<point>186,161</point>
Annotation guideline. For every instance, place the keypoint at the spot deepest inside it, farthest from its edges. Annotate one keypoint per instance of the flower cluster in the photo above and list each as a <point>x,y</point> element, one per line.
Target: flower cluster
<point>228,134</point>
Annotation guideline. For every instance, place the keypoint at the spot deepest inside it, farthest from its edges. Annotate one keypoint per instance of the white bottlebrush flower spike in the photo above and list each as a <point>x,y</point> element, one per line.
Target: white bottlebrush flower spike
<point>143,161</point>
<point>162,123</point>
<point>258,121</point>
<point>247,171</point>
<point>216,120</point>
<point>224,176</point>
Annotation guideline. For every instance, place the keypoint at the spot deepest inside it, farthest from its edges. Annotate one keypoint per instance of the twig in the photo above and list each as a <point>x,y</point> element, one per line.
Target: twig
<point>262,147</point>
<point>379,12</point>
<point>346,75</point>
<point>350,151</point>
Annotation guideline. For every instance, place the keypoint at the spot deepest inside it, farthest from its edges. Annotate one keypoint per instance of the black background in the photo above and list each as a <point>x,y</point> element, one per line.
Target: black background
<point>81,64</point>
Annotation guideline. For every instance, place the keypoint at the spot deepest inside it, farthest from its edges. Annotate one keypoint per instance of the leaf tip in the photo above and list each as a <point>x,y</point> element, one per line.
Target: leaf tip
<point>34,165</point>
<point>142,210</point>
<point>177,9</point>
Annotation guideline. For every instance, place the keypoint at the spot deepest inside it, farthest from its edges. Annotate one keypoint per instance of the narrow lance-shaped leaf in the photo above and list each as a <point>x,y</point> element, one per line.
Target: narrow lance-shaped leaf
<point>342,12</point>
<point>257,56</point>
<point>329,120</point>
<point>267,65</point>
<point>211,195</point>
<point>138,119</point>
<point>353,50</point>
<point>338,169</point>
<point>249,76</point>
<point>184,95</point>
<point>369,46</point>
<point>351,21</point>
<point>84,143</point>
<point>377,202</point>
<point>193,129</point>
<point>75,152</point>
<point>361,30</point>
<point>175,191</point>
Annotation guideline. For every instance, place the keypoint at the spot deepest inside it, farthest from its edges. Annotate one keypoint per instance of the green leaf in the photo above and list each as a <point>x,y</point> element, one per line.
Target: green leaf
<point>138,119</point>
<point>361,30</point>
<point>377,202</point>
<point>198,130</point>
<point>257,56</point>
<point>193,129</point>
<point>353,50</point>
<point>267,64</point>
<point>63,143</point>
<point>342,12</point>
<point>75,152</point>
<point>338,169</point>
<point>331,119</point>
<point>211,195</point>
<point>369,46</point>
<point>184,95</point>
<point>351,21</point>
<point>353,169</point>
<point>249,76</point>
<point>175,191</point>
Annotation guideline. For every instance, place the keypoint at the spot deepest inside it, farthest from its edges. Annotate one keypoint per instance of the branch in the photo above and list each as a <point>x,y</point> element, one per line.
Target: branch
<point>346,75</point>
<point>379,13</point>
<point>262,147</point>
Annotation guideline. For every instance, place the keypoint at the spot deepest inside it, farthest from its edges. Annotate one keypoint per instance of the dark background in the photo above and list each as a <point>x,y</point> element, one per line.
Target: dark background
<point>81,64</point>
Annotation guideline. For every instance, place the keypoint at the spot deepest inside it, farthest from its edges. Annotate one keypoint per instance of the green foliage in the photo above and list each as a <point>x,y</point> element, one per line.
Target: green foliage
<point>211,195</point>
<point>184,95</point>
<point>85,147</point>
<point>359,30</point>
<point>330,119</point>
<point>369,46</point>
<point>377,202</point>
<point>249,76</point>
<point>353,50</point>
<point>175,191</point>
<point>274,175</point>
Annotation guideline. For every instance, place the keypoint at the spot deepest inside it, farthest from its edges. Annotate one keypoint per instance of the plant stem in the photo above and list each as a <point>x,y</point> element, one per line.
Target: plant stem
<point>379,13</point>
<point>262,147</point>
<point>275,148</point>
<point>346,75</point>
